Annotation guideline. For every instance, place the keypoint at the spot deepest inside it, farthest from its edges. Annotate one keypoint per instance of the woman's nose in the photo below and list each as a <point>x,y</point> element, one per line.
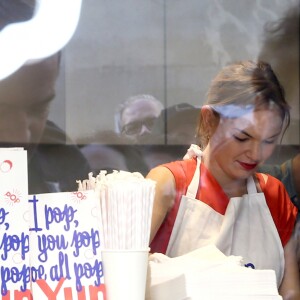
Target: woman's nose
<point>255,152</point>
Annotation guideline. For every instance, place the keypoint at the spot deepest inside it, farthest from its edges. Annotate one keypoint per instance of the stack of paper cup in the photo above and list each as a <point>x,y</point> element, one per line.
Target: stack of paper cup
<point>125,273</point>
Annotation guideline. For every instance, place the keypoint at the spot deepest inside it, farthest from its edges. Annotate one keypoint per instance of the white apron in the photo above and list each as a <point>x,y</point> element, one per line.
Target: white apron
<point>247,228</point>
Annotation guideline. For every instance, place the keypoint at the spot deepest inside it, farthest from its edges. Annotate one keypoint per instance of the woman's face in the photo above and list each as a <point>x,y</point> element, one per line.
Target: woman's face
<point>239,145</point>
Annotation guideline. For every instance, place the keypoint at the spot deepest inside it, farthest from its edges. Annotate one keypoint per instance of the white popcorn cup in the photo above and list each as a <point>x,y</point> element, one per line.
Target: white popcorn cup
<point>125,273</point>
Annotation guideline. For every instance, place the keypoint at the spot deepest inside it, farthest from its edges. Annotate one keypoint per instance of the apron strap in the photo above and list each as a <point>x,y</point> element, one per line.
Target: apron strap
<point>193,187</point>
<point>194,151</point>
<point>251,186</point>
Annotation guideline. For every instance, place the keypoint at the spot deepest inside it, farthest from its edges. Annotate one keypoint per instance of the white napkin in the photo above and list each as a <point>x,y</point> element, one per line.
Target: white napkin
<point>207,273</point>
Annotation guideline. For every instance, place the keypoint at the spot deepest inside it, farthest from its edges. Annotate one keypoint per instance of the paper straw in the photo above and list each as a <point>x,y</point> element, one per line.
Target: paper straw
<point>126,203</point>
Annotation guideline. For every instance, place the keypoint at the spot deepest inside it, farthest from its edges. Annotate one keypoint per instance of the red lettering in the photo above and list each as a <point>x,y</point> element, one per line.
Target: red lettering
<point>23,295</point>
<point>7,296</point>
<point>95,290</point>
<point>69,296</point>
<point>18,295</point>
<point>51,295</point>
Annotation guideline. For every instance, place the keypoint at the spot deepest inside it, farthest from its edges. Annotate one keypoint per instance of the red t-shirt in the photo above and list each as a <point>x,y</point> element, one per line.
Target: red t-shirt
<point>210,192</point>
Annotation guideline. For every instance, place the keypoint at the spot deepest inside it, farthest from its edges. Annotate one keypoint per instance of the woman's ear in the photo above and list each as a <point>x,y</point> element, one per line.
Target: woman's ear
<point>209,119</point>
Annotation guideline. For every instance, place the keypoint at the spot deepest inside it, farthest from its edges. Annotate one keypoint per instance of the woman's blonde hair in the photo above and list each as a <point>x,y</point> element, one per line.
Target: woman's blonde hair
<point>242,87</point>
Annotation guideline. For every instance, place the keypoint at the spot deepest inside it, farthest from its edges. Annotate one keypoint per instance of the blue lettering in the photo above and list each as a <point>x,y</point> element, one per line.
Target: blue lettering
<point>85,239</point>
<point>61,270</point>
<point>23,275</point>
<point>14,243</point>
<point>49,242</point>
<point>35,219</point>
<point>250,265</point>
<point>3,215</point>
<point>57,215</point>
<point>88,271</point>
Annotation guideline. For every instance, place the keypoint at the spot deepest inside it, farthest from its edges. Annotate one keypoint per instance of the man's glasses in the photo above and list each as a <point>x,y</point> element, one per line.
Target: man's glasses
<point>135,128</point>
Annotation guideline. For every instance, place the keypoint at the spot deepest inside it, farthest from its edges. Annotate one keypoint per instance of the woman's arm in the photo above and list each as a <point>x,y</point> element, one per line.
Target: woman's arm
<point>165,193</point>
<point>290,286</point>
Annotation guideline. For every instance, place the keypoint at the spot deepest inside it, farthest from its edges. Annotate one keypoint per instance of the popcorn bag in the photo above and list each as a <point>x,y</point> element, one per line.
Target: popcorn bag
<point>66,246</point>
<point>50,245</point>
